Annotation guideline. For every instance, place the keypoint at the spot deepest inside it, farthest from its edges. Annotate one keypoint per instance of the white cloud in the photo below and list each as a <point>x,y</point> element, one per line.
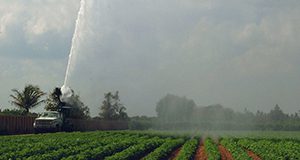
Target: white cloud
<point>50,16</point>
<point>9,14</point>
<point>38,17</point>
<point>270,45</point>
<point>210,50</point>
<point>4,22</point>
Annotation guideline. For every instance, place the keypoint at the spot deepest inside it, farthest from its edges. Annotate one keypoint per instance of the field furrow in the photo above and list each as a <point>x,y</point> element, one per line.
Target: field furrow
<point>200,153</point>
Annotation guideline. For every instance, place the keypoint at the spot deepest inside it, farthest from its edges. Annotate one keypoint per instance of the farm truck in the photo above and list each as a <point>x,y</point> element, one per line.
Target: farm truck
<point>54,120</point>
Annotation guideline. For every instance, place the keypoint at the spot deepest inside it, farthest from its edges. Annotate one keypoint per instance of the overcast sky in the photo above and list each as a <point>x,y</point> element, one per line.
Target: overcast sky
<point>241,54</point>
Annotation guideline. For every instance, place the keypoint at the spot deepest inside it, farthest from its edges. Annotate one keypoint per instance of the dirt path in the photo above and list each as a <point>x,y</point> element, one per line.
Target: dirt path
<point>253,155</point>
<point>225,154</point>
<point>200,153</point>
<point>174,153</point>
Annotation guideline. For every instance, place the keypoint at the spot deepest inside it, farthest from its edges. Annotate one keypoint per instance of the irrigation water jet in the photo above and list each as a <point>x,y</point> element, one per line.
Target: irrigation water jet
<point>66,94</point>
<point>65,90</point>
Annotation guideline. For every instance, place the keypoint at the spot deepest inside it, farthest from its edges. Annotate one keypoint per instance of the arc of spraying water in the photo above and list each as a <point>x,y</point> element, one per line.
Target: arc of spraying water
<point>75,38</point>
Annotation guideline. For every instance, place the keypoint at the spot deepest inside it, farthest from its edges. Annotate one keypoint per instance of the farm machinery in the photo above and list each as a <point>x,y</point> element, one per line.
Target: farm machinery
<point>54,120</point>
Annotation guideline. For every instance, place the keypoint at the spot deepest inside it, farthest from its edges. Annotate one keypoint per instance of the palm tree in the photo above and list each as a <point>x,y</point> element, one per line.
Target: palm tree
<point>28,98</point>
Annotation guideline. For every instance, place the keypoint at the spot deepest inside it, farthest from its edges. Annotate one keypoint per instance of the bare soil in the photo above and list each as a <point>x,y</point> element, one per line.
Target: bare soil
<point>174,154</point>
<point>253,155</point>
<point>200,152</point>
<point>225,154</point>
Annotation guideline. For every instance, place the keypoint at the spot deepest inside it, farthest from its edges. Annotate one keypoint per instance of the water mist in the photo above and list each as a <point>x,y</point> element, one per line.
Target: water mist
<point>66,91</point>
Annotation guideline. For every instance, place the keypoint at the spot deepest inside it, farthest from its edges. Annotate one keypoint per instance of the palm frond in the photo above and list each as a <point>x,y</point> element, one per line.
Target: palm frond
<point>28,98</point>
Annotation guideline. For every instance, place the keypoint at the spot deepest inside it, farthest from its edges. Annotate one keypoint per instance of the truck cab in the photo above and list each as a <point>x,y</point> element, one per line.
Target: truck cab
<point>48,121</point>
<point>55,120</point>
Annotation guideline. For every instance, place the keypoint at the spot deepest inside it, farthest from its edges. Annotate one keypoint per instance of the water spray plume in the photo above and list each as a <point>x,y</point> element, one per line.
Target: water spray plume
<point>75,40</point>
<point>66,93</point>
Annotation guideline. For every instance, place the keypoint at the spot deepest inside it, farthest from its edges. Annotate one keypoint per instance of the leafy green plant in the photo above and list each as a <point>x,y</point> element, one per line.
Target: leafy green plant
<point>236,151</point>
<point>138,150</point>
<point>188,150</point>
<point>165,149</point>
<point>272,149</point>
<point>134,145</point>
<point>211,150</point>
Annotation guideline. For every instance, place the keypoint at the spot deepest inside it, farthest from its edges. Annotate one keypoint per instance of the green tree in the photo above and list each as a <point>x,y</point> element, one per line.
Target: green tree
<point>111,108</point>
<point>78,108</point>
<point>28,98</point>
<point>276,114</point>
<point>174,108</point>
<point>107,111</point>
<point>52,101</point>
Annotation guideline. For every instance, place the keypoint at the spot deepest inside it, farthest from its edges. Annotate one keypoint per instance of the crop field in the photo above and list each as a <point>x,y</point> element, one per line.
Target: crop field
<point>131,145</point>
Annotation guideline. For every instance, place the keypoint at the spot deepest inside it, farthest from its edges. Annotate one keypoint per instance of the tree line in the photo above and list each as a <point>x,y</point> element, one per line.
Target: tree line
<point>32,96</point>
<point>174,112</point>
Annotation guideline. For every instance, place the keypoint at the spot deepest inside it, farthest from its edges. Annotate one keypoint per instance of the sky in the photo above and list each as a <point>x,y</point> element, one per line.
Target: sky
<point>241,54</point>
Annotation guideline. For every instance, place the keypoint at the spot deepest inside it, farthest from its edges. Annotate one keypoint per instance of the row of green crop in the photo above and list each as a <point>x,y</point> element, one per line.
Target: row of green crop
<point>264,148</point>
<point>165,149</point>
<point>88,145</point>
<point>77,150</point>
<point>188,149</point>
<point>101,151</point>
<point>113,145</point>
<point>137,151</point>
<point>22,148</point>
<point>237,152</point>
<point>272,149</point>
<point>57,146</point>
<point>211,149</point>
